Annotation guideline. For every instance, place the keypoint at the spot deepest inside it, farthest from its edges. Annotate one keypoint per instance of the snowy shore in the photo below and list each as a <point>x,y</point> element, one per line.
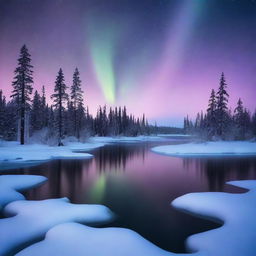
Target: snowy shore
<point>10,185</point>
<point>208,148</point>
<point>14,154</point>
<point>234,238</point>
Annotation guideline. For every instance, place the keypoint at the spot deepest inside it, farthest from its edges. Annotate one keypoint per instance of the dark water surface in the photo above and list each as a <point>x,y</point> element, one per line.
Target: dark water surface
<point>139,185</point>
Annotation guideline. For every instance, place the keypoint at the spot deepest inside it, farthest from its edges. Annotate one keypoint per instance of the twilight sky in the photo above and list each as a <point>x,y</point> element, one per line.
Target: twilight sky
<point>158,57</point>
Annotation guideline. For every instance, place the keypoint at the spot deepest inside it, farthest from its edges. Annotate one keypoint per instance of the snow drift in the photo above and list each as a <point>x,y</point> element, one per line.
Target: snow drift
<point>208,148</point>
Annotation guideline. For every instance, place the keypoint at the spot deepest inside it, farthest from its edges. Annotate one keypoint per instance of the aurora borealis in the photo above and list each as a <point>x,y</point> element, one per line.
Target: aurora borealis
<point>158,57</point>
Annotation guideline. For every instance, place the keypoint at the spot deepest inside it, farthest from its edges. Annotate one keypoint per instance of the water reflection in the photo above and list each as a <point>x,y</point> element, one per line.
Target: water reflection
<point>218,170</point>
<point>115,157</point>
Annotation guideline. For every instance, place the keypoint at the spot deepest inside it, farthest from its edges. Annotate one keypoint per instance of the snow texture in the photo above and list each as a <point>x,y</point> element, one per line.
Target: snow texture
<point>12,152</point>
<point>13,155</point>
<point>75,239</point>
<point>29,220</point>
<point>235,238</point>
<point>11,184</point>
<point>209,148</point>
<point>83,147</point>
<point>124,139</point>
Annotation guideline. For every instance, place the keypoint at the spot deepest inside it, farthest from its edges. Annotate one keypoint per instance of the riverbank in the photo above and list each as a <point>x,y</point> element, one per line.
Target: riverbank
<point>11,152</point>
<point>218,148</point>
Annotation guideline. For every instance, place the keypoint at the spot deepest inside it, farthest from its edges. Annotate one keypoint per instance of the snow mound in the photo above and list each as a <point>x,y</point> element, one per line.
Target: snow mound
<point>12,152</point>
<point>237,236</point>
<point>11,184</point>
<point>208,148</point>
<point>75,239</point>
<point>29,220</point>
<point>124,139</point>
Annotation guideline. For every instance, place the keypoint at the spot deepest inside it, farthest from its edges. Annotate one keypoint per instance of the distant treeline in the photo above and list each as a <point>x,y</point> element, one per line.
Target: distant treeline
<point>23,117</point>
<point>220,122</point>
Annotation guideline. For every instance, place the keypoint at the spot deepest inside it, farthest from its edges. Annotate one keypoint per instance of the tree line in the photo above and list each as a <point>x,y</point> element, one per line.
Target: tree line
<point>22,117</point>
<point>219,121</point>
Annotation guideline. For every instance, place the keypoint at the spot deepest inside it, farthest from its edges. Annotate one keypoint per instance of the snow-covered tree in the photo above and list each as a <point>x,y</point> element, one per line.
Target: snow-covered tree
<point>22,87</point>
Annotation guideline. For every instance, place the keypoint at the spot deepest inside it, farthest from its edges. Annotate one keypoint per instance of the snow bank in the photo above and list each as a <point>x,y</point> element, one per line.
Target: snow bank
<point>74,239</point>
<point>237,236</point>
<point>11,184</point>
<point>82,147</point>
<point>124,139</point>
<point>14,153</point>
<point>32,219</point>
<point>174,135</point>
<point>208,148</point>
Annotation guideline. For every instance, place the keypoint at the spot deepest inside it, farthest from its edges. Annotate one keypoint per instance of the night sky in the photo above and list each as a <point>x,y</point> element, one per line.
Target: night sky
<point>158,57</point>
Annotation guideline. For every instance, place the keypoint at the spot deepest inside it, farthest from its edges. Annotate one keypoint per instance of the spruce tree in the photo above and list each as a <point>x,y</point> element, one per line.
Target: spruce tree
<point>59,98</point>
<point>36,113</point>
<point>22,87</point>
<point>77,100</point>
<point>238,119</point>
<point>254,123</point>
<point>2,115</point>
<point>222,108</point>
<point>211,115</point>
<point>45,109</point>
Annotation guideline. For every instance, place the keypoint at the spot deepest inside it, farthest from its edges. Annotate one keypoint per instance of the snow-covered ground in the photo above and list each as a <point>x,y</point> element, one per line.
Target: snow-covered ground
<point>236,237</point>
<point>11,184</point>
<point>124,139</point>
<point>74,239</point>
<point>208,148</point>
<point>30,220</point>
<point>175,135</point>
<point>13,153</point>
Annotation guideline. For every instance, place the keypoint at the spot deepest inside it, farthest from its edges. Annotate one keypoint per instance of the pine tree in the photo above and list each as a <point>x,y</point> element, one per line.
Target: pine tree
<point>125,121</point>
<point>239,110</point>
<point>22,87</point>
<point>238,119</point>
<point>45,109</point>
<point>211,115</point>
<point>59,98</point>
<point>2,115</point>
<point>77,100</point>
<point>36,113</point>
<point>11,117</point>
<point>254,123</point>
<point>222,109</point>
<point>212,105</point>
<point>246,124</point>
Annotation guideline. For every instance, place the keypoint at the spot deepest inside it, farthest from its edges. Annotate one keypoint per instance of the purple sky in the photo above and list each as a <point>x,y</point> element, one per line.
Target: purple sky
<point>158,57</point>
